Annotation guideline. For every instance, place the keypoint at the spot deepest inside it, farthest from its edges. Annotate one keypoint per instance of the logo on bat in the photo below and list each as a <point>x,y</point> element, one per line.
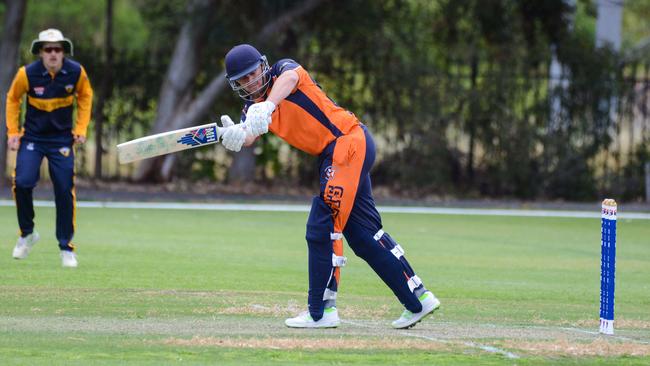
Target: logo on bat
<point>199,136</point>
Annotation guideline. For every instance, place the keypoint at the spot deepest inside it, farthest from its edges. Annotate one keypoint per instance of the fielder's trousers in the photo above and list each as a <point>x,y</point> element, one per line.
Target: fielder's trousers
<point>27,174</point>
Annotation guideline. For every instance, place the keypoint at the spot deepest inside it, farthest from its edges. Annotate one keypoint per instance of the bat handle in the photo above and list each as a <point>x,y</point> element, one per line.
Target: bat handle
<point>221,130</point>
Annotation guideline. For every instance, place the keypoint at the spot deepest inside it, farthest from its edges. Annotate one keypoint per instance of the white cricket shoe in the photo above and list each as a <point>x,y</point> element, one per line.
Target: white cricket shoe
<point>330,319</point>
<point>24,245</point>
<point>408,319</point>
<point>68,259</point>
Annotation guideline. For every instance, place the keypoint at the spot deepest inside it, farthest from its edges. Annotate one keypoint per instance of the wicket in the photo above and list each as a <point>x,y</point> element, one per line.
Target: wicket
<point>607,266</point>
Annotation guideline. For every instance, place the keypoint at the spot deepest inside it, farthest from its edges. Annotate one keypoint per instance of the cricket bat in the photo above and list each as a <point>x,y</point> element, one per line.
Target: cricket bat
<point>168,142</point>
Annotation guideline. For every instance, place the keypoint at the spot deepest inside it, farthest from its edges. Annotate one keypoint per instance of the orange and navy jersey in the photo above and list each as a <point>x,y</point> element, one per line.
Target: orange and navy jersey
<point>50,99</point>
<point>307,119</point>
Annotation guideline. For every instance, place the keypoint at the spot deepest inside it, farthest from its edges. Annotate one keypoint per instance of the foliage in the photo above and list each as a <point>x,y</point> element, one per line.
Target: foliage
<point>630,186</point>
<point>83,22</point>
<point>635,23</point>
<point>457,93</point>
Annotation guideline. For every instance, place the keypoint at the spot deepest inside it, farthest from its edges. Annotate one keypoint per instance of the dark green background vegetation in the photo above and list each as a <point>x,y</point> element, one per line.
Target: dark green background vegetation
<point>457,93</point>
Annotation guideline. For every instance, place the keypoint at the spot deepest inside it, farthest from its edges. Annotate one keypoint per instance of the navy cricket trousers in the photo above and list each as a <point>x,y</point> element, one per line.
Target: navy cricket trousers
<point>60,159</point>
<point>346,208</point>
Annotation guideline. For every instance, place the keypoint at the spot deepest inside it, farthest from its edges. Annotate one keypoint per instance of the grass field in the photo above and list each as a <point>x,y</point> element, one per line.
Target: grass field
<point>158,287</point>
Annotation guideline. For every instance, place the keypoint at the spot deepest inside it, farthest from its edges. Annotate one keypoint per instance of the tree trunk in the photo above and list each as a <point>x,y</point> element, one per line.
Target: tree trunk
<point>608,34</point>
<point>105,90</point>
<point>178,82</point>
<point>175,109</point>
<point>474,119</point>
<point>609,24</point>
<point>9,45</point>
<point>647,181</point>
<point>242,169</point>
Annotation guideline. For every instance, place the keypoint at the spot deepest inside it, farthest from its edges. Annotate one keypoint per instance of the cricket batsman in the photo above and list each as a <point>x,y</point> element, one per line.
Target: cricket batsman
<point>51,83</point>
<point>285,100</point>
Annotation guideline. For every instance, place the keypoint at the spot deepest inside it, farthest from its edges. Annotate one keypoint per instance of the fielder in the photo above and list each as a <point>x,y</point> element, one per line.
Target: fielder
<point>284,99</point>
<point>51,84</point>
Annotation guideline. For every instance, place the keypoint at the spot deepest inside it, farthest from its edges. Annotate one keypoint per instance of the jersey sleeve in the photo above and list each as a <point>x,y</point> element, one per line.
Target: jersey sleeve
<point>283,65</point>
<point>84,104</point>
<point>19,87</point>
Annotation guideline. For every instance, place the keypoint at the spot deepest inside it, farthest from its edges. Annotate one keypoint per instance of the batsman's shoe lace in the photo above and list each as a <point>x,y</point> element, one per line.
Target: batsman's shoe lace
<point>408,319</point>
<point>330,319</point>
<point>24,245</point>
<point>68,259</point>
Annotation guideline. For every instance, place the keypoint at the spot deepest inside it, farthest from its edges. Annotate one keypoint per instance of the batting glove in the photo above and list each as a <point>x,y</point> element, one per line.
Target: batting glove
<point>258,117</point>
<point>234,135</point>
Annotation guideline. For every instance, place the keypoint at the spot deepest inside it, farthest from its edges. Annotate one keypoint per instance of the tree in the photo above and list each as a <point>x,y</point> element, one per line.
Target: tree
<point>176,107</point>
<point>105,89</point>
<point>9,45</point>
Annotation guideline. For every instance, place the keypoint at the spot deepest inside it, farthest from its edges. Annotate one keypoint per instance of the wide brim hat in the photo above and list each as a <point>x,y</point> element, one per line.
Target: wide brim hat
<point>48,36</point>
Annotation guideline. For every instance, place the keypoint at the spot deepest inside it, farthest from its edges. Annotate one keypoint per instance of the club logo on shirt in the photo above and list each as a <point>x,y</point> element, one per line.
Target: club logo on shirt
<point>328,174</point>
<point>30,146</point>
<point>65,151</point>
<point>69,88</point>
<point>39,90</point>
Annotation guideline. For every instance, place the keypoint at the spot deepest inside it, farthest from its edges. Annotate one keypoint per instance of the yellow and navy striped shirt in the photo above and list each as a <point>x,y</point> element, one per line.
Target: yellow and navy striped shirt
<point>50,99</point>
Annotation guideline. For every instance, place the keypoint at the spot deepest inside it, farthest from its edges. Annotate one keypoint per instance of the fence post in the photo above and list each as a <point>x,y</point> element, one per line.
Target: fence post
<point>647,181</point>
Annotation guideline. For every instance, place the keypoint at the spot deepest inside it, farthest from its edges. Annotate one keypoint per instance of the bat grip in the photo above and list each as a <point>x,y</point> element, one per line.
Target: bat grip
<point>245,126</point>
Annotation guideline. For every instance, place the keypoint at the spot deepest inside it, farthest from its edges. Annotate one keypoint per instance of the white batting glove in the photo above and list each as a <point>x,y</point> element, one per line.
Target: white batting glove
<point>226,121</point>
<point>258,117</point>
<point>234,135</point>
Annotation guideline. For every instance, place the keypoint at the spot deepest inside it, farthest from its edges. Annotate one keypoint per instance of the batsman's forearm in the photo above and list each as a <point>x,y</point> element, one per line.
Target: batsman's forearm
<point>250,140</point>
<point>283,86</point>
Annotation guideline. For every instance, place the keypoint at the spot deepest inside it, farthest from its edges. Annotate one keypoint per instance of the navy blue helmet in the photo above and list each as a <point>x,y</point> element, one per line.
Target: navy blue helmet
<point>242,60</point>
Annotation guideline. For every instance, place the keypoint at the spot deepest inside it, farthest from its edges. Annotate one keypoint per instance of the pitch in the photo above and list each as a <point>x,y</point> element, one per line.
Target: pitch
<point>196,287</point>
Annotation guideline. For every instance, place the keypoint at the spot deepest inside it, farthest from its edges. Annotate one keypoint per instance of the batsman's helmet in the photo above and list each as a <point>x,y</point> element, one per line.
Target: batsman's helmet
<point>241,60</point>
